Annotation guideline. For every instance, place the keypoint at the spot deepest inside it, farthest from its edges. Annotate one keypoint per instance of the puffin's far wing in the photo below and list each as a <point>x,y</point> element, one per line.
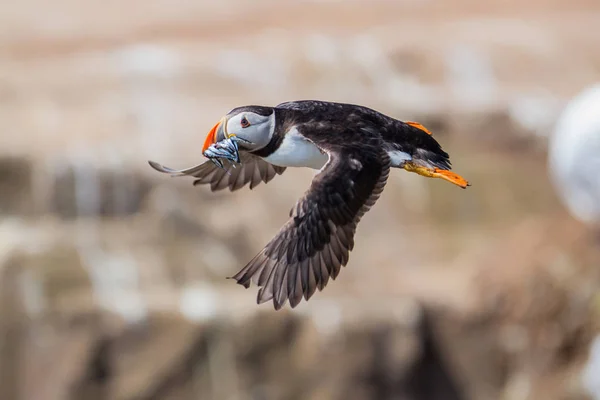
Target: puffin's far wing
<point>252,169</point>
<point>316,241</point>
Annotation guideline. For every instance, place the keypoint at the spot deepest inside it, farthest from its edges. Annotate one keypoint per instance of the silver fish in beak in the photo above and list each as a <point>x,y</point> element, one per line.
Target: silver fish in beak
<point>227,149</point>
<point>219,144</point>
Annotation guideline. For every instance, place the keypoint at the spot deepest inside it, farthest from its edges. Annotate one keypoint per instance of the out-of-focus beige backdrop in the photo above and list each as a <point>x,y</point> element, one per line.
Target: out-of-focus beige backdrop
<point>112,276</point>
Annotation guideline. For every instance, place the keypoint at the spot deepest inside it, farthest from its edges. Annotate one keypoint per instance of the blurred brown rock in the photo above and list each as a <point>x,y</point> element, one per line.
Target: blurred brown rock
<point>83,190</point>
<point>16,186</point>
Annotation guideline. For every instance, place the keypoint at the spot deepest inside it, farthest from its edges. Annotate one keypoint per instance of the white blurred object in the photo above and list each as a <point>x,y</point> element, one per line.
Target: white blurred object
<point>198,302</point>
<point>116,282</point>
<point>147,60</point>
<point>536,113</point>
<point>148,73</point>
<point>591,373</point>
<point>470,76</point>
<point>250,68</point>
<point>574,155</point>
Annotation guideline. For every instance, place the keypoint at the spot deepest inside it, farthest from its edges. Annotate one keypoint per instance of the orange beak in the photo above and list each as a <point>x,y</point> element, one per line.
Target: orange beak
<point>211,138</point>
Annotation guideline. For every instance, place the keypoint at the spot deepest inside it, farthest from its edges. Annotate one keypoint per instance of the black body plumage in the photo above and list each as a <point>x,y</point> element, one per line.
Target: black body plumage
<point>354,126</point>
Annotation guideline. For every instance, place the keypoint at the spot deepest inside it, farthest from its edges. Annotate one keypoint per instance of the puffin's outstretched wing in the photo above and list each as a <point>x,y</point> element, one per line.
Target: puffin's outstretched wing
<point>315,242</point>
<point>252,169</point>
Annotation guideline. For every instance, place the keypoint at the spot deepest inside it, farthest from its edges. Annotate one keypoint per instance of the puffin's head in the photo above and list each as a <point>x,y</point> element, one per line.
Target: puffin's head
<point>253,126</point>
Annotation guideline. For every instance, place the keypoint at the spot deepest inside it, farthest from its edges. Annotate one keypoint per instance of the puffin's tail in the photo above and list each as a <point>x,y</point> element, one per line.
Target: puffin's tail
<point>421,153</point>
<point>426,151</point>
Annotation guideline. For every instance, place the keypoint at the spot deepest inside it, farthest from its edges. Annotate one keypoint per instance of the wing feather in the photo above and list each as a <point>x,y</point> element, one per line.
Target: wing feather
<point>252,170</point>
<point>316,241</point>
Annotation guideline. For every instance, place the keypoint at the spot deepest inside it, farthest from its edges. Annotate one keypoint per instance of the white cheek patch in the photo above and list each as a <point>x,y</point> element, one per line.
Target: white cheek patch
<point>234,124</point>
<point>258,134</point>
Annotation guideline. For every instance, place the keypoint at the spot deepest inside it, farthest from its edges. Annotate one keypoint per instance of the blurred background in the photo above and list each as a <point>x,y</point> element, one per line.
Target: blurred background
<point>112,276</point>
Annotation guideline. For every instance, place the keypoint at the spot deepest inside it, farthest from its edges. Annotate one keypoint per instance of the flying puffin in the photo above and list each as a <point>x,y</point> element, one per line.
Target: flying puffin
<point>353,149</point>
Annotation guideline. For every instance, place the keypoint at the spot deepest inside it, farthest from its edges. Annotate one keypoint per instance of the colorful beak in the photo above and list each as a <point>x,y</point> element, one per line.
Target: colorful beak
<point>213,135</point>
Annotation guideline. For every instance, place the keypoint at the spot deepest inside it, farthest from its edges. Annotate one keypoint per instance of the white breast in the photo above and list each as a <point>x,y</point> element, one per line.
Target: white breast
<point>296,151</point>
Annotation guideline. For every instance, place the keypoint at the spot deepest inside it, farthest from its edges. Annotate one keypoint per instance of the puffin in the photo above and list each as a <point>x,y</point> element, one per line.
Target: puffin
<point>352,147</point>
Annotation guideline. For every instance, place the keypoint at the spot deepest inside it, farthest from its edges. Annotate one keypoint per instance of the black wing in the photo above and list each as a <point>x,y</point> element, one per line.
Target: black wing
<point>316,241</point>
<point>252,169</point>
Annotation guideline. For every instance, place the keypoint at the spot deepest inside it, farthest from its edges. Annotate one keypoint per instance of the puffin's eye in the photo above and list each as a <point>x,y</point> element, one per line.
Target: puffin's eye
<point>245,123</point>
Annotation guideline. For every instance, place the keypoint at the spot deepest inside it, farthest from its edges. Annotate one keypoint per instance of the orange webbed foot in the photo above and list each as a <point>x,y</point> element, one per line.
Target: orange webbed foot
<point>437,173</point>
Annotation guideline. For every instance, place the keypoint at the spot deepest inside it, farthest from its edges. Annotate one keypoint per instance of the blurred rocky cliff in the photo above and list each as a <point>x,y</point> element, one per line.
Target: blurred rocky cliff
<point>112,277</point>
